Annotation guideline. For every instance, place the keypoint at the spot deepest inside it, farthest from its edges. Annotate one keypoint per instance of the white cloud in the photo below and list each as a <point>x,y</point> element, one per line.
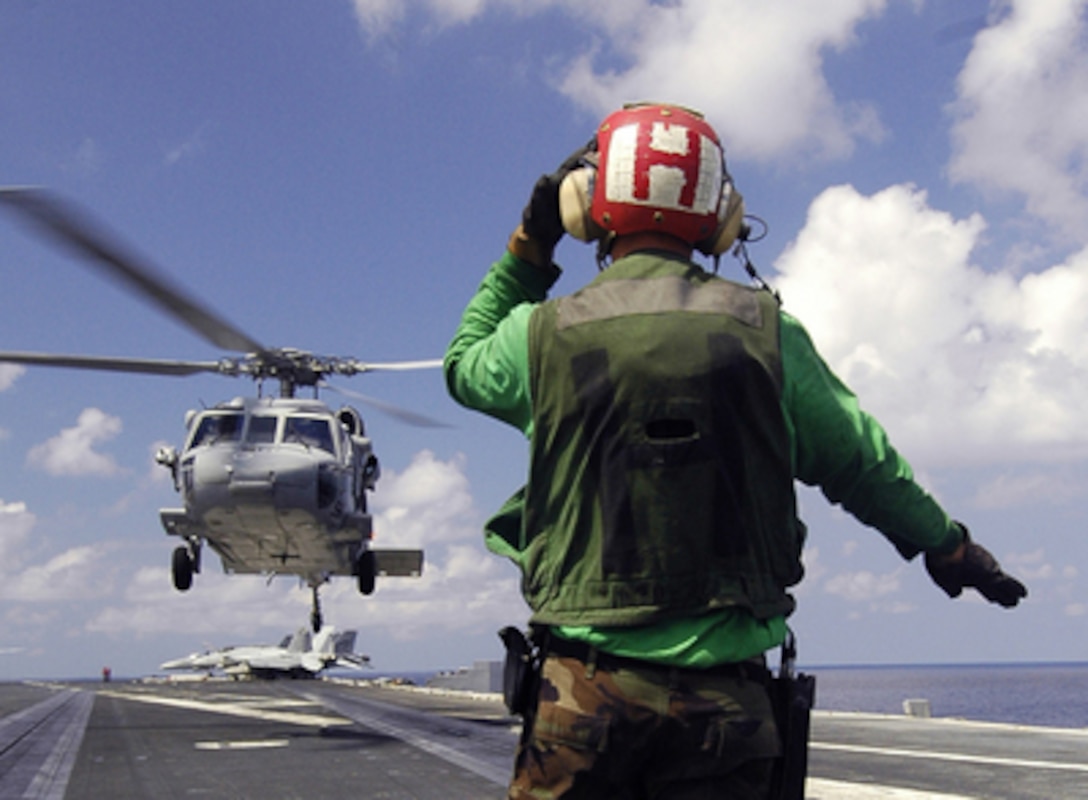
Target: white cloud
<point>75,573</point>
<point>815,570</point>
<point>428,503</point>
<point>72,574</point>
<point>155,477</point>
<point>1035,488</point>
<point>217,603</point>
<point>709,54</point>
<point>16,522</point>
<point>1021,110</point>
<point>669,50</point>
<point>9,373</point>
<point>1031,567</point>
<point>961,365</point>
<point>71,452</point>
<point>863,586</point>
<point>378,17</point>
<point>463,587</point>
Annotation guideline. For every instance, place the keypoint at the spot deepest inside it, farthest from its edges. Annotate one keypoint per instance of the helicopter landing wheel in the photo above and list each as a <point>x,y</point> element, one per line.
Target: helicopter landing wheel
<point>366,570</point>
<point>182,569</point>
<point>315,615</point>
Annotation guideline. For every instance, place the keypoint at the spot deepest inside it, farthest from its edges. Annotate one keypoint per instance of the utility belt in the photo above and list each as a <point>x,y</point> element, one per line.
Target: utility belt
<point>752,669</point>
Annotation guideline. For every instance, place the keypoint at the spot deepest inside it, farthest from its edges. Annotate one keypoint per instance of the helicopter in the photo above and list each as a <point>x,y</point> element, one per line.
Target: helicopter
<point>273,485</point>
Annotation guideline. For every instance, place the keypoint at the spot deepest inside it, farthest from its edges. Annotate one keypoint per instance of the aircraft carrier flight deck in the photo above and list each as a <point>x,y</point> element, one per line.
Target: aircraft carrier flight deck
<point>332,739</point>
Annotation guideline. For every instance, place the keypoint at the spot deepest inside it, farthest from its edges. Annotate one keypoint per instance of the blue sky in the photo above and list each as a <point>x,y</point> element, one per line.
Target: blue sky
<point>338,176</point>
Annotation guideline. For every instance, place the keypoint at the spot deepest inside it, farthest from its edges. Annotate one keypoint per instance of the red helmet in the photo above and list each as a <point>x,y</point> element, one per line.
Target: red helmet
<point>661,169</point>
<point>657,168</point>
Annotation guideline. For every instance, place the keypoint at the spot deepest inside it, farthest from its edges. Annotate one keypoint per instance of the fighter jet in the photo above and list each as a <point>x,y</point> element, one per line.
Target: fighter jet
<point>299,655</point>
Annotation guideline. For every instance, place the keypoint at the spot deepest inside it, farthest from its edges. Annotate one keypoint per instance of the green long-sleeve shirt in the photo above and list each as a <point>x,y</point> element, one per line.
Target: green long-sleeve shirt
<point>834,445</point>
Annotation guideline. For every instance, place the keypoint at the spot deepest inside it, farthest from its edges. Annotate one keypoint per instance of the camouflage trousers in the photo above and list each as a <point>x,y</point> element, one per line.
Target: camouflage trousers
<point>641,731</point>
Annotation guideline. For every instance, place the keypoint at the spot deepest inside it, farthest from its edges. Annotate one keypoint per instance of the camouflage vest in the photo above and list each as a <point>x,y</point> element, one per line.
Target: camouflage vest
<point>660,482</point>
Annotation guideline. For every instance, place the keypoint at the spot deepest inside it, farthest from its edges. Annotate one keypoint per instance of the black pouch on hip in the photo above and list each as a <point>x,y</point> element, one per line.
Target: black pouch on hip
<point>792,696</point>
<point>521,671</point>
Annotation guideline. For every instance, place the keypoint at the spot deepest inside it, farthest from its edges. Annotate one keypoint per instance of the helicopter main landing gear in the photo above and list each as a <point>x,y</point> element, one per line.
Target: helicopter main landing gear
<point>315,614</point>
<point>185,563</point>
<point>366,569</point>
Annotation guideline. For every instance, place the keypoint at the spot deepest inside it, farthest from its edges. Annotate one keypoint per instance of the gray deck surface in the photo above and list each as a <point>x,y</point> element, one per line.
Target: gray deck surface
<point>316,739</point>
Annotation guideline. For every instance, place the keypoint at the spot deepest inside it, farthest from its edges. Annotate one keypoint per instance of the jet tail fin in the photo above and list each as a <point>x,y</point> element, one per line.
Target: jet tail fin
<point>300,641</point>
<point>345,643</point>
<point>325,641</point>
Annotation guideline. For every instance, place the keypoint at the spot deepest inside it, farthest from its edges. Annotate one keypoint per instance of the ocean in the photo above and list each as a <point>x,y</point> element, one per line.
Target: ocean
<point>1048,695</point>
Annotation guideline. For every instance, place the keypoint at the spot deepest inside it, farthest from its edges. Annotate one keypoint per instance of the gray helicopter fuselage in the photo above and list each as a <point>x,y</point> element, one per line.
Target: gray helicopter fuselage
<point>275,486</point>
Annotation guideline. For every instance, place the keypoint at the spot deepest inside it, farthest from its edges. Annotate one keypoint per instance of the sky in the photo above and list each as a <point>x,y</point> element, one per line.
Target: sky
<point>338,176</point>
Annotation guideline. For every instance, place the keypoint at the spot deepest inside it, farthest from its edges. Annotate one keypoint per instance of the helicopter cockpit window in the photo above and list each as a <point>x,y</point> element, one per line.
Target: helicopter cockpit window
<point>262,430</point>
<point>310,432</point>
<point>216,428</point>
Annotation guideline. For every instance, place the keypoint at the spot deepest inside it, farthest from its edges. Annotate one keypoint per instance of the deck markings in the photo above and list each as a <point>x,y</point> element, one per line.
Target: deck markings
<point>251,744</point>
<point>930,755</point>
<point>246,709</point>
<point>39,745</point>
<point>823,789</point>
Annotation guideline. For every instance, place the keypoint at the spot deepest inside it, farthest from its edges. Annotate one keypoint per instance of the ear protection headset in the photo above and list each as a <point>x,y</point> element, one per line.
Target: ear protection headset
<point>656,168</point>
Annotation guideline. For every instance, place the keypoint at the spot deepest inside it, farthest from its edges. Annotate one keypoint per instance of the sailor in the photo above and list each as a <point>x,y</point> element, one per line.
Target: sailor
<point>669,412</point>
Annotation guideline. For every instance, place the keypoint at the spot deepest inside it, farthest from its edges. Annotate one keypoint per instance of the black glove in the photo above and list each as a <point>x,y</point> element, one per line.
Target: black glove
<point>540,220</point>
<point>978,569</point>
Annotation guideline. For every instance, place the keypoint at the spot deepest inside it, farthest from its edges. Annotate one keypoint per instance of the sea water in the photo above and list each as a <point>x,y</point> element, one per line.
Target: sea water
<point>1049,695</point>
<point>1053,695</point>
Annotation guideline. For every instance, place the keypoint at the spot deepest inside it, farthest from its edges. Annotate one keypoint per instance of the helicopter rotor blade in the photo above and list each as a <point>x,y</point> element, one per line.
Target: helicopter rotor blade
<point>398,413</point>
<point>63,221</point>
<point>354,366</point>
<point>147,366</point>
